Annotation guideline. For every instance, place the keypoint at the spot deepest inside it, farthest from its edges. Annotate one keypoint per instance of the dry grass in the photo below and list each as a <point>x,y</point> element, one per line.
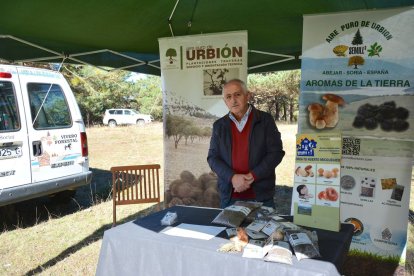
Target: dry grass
<point>70,244</point>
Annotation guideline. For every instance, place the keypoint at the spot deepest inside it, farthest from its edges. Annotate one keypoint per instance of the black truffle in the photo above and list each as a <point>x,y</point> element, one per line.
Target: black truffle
<point>371,123</point>
<point>359,121</point>
<point>387,125</point>
<point>402,113</point>
<point>387,111</point>
<point>401,125</point>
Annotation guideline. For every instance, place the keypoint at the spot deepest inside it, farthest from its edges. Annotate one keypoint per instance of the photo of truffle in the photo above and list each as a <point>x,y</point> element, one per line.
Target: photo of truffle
<point>387,116</point>
<point>358,226</point>
<point>189,190</point>
<point>325,116</point>
<point>397,192</point>
<point>388,183</point>
<point>347,182</point>
<point>368,186</point>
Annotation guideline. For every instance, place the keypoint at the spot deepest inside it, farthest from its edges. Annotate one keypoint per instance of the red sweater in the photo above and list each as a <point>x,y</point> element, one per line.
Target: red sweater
<point>240,155</point>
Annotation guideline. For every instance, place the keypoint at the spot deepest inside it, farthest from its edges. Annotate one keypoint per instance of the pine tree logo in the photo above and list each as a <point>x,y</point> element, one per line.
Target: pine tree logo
<point>357,39</point>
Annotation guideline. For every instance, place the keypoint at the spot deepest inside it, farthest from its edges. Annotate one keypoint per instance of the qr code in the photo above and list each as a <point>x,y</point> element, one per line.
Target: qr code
<point>351,146</point>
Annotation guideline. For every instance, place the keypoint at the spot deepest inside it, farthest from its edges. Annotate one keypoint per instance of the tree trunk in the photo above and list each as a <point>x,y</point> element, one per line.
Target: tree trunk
<point>291,111</point>
<point>277,110</point>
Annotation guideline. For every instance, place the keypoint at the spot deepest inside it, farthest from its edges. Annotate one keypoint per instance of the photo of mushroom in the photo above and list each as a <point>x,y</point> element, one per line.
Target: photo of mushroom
<point>327,196</point>
<point>328,174</point>
<point>304,173</point>
<point>325,116</point>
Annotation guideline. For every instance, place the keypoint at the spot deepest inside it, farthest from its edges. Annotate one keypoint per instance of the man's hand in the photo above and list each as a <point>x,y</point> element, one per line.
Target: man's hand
<point>242,182</point>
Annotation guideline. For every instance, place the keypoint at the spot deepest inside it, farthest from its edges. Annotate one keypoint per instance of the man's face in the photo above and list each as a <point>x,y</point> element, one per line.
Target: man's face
<point>235,99</point>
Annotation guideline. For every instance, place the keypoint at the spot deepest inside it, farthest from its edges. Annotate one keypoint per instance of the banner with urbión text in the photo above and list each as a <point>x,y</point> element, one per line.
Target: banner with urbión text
<point>193,71</point>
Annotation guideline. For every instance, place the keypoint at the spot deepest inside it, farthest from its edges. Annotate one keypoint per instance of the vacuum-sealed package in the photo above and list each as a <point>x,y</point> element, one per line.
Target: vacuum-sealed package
<point>304,243</point>
<point>277,251</point>
<point>234,215</point>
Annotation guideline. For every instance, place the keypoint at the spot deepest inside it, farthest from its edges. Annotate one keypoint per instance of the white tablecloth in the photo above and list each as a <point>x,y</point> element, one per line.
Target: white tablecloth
<point>130,249</point>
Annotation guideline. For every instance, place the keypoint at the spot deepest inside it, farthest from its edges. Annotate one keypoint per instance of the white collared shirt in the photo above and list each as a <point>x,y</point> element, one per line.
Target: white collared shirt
<point>240,125</point>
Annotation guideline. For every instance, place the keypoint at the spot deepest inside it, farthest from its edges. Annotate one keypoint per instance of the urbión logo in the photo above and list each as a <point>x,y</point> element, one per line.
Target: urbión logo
<point>171,53</point>
<point>208,52</point>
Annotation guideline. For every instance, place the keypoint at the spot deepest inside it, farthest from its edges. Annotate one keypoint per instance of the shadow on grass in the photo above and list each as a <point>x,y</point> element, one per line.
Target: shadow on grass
<point>95,236</point>
<point>34,211</point>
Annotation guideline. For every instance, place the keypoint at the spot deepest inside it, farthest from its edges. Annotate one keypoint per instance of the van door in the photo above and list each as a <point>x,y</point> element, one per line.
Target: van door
<point>14,147</point>
<point>52,116</point>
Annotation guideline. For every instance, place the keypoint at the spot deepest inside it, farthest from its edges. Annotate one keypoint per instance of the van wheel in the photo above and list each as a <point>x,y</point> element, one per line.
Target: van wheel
<point>112,123</point>
<point>140,122</point>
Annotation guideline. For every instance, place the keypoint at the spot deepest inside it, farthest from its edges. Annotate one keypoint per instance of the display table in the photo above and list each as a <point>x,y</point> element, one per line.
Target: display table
<point>141,248</point>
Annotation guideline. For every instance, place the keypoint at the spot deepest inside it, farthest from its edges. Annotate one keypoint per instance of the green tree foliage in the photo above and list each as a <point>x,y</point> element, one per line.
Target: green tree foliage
<point>97,90</point>
<point>276,93</point>
<point>179,127</point>
<point>148,94</point>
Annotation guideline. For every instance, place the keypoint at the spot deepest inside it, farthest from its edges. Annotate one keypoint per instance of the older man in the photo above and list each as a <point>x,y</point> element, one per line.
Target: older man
<point>245,149</point>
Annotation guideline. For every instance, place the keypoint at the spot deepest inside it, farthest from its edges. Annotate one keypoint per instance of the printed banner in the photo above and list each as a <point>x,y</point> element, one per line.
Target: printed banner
<point>375,194</point>
<point>357,79</point>
<point>358,74</point>
<point>316,192</point>
<point>193,71</point>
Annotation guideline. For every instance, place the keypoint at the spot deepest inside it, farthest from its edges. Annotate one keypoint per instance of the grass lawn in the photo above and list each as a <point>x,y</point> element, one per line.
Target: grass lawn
<point>54,240</point>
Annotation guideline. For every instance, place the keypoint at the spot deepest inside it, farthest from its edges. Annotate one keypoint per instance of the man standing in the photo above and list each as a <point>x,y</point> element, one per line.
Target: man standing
<point>245,149</point>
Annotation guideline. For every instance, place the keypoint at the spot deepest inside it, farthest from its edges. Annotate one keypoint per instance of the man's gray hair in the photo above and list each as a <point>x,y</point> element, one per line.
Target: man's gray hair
<point>240,82</point>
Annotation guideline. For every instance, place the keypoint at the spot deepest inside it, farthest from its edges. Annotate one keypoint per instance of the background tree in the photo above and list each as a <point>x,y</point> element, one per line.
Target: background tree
<point>97,90</point>
<point>276,93</point>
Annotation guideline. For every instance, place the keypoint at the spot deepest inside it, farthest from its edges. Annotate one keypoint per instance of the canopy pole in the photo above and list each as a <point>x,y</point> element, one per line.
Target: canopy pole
<point>170,18</point>
<point>47,93</point>
<point>286,58</point>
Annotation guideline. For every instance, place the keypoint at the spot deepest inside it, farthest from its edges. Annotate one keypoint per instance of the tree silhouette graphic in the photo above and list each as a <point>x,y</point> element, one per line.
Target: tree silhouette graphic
<point>357,39</point>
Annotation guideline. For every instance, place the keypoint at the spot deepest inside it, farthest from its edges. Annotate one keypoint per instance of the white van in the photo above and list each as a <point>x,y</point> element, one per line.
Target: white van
<point>43,145</point>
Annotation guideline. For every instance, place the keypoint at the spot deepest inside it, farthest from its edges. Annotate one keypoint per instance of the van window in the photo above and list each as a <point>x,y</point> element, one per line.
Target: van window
<point>9,117</point>
<point>48,106</point>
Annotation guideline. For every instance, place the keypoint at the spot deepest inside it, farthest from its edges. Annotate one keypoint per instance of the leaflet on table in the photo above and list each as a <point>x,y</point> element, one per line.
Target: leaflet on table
<point>316,191</point>
<point>194,231</point>
<point>375,194</point>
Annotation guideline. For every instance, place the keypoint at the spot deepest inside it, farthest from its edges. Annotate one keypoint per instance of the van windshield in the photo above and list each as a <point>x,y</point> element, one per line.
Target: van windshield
<point>9,118</point>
